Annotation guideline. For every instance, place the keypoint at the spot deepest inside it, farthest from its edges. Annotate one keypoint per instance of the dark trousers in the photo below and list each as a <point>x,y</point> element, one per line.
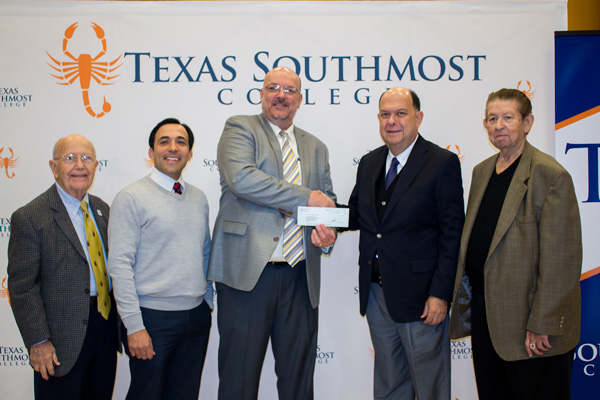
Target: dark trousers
<point>93,375</point>
<point>538,378</point>
<point>179,339</point>
<point>278,308</point>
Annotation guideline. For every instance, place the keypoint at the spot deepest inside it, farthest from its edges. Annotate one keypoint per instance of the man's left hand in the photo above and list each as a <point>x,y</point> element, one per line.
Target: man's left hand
<point>42,358</point>
<point>435,310</point>
<point>322,236</point>
<point>536,343</point>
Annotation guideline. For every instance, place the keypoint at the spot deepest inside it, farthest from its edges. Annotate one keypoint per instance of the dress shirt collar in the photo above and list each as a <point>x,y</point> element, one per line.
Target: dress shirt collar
<point>402,157</point>
<point>165,181</point>
<point>289,131</point>
<point>71,203</point>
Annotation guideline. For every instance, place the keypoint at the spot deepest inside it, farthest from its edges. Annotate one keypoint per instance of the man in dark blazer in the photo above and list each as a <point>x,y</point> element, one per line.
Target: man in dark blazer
<point>54,295</point>
<point>408,205</point>
<point>262,292</point>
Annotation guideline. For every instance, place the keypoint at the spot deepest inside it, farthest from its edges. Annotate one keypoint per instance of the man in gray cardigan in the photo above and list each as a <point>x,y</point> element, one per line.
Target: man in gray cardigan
<point>158,264</point>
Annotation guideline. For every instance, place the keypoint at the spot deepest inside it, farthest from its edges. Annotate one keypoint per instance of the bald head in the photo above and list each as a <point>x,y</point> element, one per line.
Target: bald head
<point>61,143</point>
<point>281,72</point>
<point>402,91</point>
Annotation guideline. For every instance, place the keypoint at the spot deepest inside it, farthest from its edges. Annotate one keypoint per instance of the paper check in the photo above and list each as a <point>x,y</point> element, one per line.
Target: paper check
<point>332,217</point>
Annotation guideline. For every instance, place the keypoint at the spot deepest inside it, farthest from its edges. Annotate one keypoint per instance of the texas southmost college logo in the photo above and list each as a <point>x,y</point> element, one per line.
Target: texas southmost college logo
<point>529,92</point>
<point>456,150</point>
<point>8,162</point>
<point>4,291</point>
<point>86,69</point>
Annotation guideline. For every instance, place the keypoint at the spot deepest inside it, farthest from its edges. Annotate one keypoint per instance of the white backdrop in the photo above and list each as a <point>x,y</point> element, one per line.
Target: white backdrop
<point>203,62</point>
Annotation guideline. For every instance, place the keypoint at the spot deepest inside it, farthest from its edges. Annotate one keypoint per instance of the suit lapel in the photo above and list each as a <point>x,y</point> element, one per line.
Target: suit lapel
<point>63,220</point>
<point>414,164</point>
<point>370,178</point>
<point>478,187</point>
<point>303,155</point>
<point>268,132</point>
<point>514,197</point>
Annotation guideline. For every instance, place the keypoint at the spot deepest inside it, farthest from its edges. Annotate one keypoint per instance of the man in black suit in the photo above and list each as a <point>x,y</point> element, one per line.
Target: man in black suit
<point>408,205</point>
<point>64,313</point>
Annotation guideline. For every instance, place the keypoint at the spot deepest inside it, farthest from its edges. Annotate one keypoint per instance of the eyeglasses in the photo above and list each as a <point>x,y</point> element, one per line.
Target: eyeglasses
<point>286,89</point>
<point>72,158</point>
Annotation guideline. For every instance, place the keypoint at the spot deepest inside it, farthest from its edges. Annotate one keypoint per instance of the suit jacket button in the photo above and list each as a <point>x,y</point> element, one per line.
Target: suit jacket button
<point>85,321</point>
<point>379,236</point>
<point>276,239</point>
<point>383,203</point>
<point>86,291</point>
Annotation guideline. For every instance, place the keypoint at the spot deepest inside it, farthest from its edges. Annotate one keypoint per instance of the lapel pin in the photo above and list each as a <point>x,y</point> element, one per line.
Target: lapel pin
<point>99,212</point>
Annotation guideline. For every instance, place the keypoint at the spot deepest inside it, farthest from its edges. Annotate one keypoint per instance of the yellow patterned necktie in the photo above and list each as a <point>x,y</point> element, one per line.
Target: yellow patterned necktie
<point>293,243</point>
<point>97,259</point>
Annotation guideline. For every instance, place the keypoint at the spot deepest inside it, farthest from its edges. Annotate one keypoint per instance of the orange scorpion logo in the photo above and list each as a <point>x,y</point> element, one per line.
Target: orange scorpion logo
<point>6,162</point>
<point>528,92</point>
<point>457,152</point>
<point>149,162</point>
<point>85,68</point>
<point>4,291</point>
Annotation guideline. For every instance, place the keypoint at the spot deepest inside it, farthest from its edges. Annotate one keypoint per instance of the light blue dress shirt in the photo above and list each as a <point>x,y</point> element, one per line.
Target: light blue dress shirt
<point>72,205</point>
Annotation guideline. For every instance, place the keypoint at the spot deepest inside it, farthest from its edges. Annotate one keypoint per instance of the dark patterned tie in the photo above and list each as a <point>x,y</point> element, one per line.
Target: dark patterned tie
<point>177,188</point>
<point>392,172</point>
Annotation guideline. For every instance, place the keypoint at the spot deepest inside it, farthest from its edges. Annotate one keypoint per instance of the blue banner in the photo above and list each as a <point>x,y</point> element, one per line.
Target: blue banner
<point>577,143</point>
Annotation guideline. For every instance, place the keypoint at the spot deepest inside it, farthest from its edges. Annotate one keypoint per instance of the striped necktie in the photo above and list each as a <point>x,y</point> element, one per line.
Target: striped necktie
<point>293,244</point>
<point>97,259</point>
<point>177,188</point>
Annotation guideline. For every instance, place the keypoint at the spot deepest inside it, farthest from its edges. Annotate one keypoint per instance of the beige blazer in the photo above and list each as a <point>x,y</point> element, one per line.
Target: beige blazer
<point>533,267</point>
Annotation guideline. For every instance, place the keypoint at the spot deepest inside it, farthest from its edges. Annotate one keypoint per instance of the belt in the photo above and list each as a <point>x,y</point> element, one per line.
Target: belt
<point>277,263</point>
<point>94,300</point>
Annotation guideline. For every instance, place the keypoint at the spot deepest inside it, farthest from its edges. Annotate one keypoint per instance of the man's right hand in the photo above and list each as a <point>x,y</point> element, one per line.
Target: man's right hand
<point>140,345</point>
<point>42,358</point>
<point>319,199</point>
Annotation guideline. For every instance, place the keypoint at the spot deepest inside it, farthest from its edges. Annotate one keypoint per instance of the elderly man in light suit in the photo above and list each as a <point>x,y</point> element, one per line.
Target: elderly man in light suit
<point>263,290</point>
<point>53,289</point>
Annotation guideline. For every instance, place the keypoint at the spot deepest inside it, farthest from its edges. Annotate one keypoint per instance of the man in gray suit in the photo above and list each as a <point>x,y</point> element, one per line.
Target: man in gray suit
<point>266,270</point>
<point>58,299</point>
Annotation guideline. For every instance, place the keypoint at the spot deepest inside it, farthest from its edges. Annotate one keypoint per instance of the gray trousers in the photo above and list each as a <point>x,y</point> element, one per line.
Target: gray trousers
<point>411,359</point>
<point>279,309</point>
